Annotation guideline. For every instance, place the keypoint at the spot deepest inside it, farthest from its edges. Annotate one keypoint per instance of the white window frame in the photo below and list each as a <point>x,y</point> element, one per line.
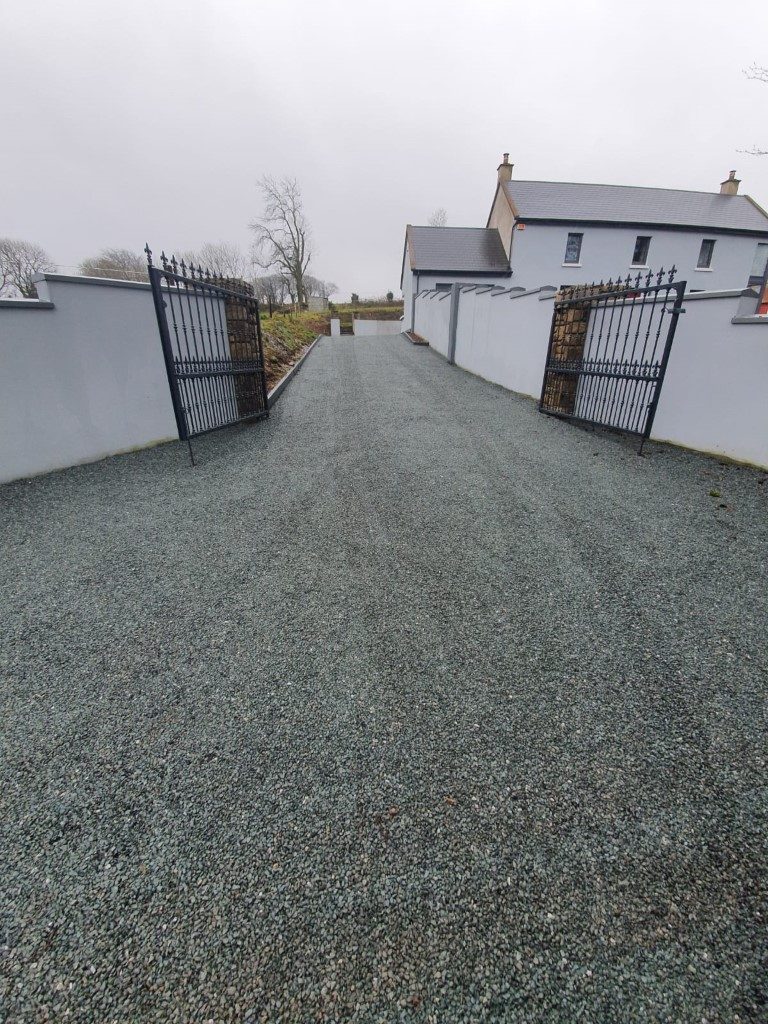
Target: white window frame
<point>699,264</point>
<point>644,264</point>
<point>577,261</point>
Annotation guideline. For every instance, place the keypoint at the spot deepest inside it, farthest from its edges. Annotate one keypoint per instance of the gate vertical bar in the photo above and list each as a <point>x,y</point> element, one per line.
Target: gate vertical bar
<point>677,309</point>
<point>155,276</point>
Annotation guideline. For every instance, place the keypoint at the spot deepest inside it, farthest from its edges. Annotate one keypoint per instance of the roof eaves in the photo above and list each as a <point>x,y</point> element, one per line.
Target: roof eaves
<point>636,223</point>
<point>501,272</point>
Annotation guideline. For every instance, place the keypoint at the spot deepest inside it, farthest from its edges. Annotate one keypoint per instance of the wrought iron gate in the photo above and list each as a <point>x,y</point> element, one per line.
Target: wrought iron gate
<point>608,351</point>
<point>210,332</point>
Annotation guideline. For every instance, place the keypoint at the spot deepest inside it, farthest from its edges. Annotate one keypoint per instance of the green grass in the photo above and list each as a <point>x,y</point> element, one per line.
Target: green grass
<point>285,336</point>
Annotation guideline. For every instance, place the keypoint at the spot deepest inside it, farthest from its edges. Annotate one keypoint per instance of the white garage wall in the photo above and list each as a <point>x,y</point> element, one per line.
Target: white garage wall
<point>713,398</point>
<point>378,326</point>
<point>81,376</point>
<point>714,394</point>
<point>433,310</point>
<point>503,336</point>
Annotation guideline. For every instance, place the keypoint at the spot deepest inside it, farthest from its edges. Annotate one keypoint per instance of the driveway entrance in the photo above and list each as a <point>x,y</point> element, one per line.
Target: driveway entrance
<point>407,703</point>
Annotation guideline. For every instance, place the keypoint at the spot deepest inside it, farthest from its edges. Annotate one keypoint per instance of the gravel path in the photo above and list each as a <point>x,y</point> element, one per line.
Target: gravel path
<point>409,704</point>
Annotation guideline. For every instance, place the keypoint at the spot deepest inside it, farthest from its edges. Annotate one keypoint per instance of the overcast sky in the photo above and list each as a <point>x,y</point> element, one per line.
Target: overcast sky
<point>155,120</point>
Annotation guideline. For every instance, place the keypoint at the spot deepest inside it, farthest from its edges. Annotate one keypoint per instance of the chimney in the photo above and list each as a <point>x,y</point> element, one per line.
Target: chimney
<point>730,187</point>
<point>505,169</point>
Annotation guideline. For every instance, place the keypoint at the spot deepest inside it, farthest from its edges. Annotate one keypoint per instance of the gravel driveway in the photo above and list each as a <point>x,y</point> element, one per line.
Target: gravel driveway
<point>408,704</point>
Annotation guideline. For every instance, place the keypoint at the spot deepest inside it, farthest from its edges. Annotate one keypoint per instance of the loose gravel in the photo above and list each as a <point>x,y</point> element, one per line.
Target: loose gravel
<point>408,704</point>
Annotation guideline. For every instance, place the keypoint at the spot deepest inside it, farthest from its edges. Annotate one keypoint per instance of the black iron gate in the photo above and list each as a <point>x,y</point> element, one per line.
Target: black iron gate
<point>211,337</point>
<point>608,351</point>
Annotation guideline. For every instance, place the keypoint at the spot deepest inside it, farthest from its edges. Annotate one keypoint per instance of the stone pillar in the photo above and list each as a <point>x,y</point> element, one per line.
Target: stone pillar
<point>242,334</point>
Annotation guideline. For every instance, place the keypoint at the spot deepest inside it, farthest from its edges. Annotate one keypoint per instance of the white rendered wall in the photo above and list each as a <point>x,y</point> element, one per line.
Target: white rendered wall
<point>503,337</point>
<point>433,310</point>
<point>714,394</point>
<point>538,251</point>
<point>370,327</point>
<point>408,283</point>
<point>82,380</point>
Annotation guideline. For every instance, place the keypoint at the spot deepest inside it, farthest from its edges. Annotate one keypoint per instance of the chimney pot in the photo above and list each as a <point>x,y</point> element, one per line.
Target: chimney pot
<point>505,168</point>
<point>730,187</point>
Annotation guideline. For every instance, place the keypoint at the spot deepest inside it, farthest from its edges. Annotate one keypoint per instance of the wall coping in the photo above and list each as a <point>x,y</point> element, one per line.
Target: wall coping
<point>26,304</point>
<point>103,282</point>
<point>544,291</point>
<point>726,293</point>
<point>750,319</point>
<point>548,291</point>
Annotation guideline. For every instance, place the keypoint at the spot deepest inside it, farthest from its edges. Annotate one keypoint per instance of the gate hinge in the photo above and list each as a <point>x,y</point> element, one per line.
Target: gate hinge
<point>677,312</point>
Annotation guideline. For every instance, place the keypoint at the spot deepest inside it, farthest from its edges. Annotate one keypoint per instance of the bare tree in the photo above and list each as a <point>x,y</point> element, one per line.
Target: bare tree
<point>19,262</point>
<point>270,289</point>
<point>757,74</point>
<point>314,286</point>
<point>222,259</point>
<point>121,264</point>
<point>282,234</point>
<point>439,218</point>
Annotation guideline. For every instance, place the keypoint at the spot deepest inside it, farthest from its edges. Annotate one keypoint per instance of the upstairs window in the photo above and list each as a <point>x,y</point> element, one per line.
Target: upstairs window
<point>573,248</point>
<point>640,255</point>
<point>705,254</point>
<point>759,264</point>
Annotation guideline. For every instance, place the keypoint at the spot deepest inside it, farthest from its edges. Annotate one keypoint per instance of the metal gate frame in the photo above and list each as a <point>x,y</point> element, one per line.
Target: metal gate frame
<point>604,368</point>
<point>212,347</point>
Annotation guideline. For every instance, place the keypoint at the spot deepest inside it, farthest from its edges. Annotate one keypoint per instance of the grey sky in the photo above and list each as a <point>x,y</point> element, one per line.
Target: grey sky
<point>147,120</point>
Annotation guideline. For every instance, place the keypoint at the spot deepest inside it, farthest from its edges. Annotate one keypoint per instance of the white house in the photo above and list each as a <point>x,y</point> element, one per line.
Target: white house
<point>544,232</point>
<point>436,257</point>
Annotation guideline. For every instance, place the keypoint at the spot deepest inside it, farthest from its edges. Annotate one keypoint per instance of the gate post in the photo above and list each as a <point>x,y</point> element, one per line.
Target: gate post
<point>452,322</point>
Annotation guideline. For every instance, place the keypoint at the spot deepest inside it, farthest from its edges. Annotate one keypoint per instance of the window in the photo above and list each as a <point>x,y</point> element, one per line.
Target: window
<point>640,255</point>
<point>759,264</point>
<point>705,254</point>
<point>442,287</point>
<point>573,247</point>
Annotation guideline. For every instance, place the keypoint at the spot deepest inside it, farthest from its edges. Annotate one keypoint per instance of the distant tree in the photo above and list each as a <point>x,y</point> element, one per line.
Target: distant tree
<point>390,296</point>
<point>439,218</point>
<point>355,297</point>
<point>271,289</point>
<point>314,286</point>
<point>757,74</point>
<point>19,262</point>
<point>222,259</point>
<point>282,234</point>
<point>121,264</point>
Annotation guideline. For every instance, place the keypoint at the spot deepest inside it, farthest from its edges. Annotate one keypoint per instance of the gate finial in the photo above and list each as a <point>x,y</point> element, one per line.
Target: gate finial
<point>148,251</point>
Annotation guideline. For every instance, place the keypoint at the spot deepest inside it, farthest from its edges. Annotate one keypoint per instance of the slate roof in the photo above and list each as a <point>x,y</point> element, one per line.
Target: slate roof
<point>468,250</point>
<point>570,201</point>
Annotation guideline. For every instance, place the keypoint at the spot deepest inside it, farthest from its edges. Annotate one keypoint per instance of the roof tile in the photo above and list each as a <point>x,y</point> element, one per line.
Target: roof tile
<point>468,250</point>
<point>571,201</point>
